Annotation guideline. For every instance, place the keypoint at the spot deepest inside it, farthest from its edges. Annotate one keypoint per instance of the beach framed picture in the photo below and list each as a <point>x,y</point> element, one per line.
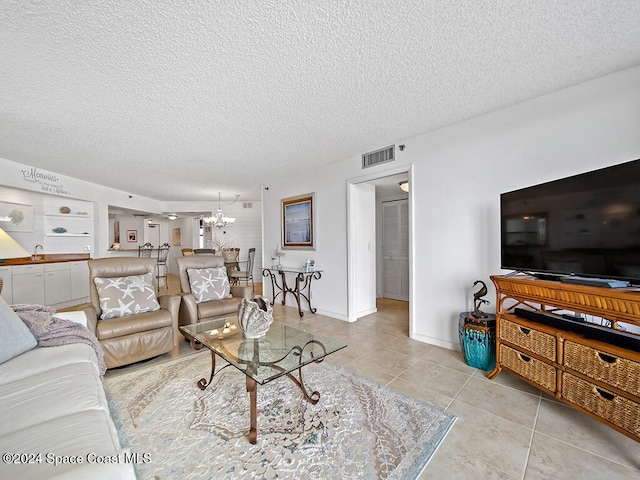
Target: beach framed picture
<point>297,222</point>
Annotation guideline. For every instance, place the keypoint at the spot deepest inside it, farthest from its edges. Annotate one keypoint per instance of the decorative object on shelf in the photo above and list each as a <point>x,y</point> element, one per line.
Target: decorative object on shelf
<point>82,213</point>
<point>65,210</point>
<point>220,220</point>
<point>277,255</point>
<point>59,230</point>
<point>297,222</point>
<point>478,300</point>
<point>255,316</point>
<point>309,265</point>
<point>478,340</point>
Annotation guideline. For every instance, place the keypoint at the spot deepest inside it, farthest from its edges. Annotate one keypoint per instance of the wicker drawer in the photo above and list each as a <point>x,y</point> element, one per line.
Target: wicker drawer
<point>610,369</point>
<point>530,339</point>
<point>535,370</point>
<point>618,410</point>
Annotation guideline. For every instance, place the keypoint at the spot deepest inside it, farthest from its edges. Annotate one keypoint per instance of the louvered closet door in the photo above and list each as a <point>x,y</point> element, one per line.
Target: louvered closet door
<point>395,249</point>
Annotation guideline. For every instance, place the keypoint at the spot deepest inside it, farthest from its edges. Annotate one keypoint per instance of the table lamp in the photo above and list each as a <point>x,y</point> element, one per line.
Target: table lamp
<point>9,248</point>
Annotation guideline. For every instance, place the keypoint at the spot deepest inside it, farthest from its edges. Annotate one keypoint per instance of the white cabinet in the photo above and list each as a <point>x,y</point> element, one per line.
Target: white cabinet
<point>79,280</point>
<point>28,284</point>
<point>7,290</point>
<point>57,283</point>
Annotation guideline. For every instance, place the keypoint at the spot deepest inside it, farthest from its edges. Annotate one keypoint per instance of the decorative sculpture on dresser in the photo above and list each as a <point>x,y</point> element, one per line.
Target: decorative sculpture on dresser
<point>478,300</point>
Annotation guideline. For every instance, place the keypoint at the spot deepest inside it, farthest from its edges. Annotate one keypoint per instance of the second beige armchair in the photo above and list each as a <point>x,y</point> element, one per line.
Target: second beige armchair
<point>206,294</point>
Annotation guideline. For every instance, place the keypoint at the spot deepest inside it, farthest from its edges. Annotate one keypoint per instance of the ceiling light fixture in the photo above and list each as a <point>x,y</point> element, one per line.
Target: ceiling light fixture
<point>404,185</point>
<point>220,220</point>
<point>172,216</point>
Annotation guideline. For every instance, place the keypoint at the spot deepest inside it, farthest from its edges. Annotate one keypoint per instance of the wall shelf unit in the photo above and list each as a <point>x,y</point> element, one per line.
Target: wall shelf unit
<point>78,224</point>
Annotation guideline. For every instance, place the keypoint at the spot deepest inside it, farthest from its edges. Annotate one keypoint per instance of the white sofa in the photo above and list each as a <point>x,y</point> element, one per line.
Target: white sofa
<point>54,417</point>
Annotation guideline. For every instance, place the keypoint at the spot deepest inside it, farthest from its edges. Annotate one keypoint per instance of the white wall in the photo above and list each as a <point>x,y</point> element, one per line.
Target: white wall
<point>458,174</point>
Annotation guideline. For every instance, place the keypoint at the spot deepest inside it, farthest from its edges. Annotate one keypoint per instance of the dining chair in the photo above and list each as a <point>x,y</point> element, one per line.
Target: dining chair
<point>204,251</point>
<point>247,274</point>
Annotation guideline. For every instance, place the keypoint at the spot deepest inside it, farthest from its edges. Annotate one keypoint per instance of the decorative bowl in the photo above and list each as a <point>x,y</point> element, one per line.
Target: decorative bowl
<point>65,210</point>
<point>255,316</point>
<point>59,230</point>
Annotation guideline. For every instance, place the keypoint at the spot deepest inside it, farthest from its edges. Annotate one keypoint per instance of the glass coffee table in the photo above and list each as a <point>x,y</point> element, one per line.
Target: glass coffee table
<point>284,350</point>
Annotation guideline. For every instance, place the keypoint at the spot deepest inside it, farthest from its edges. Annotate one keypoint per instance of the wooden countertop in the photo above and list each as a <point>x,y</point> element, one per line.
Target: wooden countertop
<point>47,258</point>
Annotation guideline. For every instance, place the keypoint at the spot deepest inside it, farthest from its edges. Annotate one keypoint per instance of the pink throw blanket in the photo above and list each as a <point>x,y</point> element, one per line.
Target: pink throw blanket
<point>51,331</point>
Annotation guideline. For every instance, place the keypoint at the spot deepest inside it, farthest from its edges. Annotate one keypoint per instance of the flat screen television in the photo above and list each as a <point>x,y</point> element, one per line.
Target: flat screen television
<point>587,225</point>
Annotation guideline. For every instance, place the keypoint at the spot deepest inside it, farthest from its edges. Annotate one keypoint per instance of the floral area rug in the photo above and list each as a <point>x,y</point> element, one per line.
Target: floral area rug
<point>358,429</point>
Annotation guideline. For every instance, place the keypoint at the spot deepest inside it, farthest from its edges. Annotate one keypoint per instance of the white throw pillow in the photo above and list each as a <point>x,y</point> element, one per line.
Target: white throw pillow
<point>122,296</point>
<point>209,283</point>
<point>15,336</point>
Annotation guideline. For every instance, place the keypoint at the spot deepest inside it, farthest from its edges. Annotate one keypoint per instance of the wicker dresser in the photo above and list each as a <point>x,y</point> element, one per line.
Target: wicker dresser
<point>594,376</point>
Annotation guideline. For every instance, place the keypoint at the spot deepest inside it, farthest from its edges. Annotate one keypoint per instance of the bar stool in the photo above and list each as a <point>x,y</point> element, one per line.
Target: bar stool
<point>163,253</point>
<point>145,250</point>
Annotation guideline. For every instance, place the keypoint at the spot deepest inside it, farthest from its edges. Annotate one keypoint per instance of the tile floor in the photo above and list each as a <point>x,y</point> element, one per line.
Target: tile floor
<point>506,429</point>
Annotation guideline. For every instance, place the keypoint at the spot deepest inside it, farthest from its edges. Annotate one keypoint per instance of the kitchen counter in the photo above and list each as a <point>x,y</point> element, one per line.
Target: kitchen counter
<point>47,258</point>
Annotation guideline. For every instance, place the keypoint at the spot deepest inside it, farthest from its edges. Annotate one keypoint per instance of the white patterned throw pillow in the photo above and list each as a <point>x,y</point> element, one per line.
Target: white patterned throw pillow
<point>209,283</point>
<point>122,296</point>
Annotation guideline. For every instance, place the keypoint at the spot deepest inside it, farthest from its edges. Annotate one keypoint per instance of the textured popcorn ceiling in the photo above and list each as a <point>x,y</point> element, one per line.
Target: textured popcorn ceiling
<point>177,100</point>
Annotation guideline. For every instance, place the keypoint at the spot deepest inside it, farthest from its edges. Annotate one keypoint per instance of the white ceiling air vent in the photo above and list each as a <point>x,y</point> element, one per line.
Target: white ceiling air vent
<point>383,155</point>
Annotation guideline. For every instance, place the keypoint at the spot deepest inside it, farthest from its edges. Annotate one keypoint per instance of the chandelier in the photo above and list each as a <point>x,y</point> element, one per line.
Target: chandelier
<point>220,220</point>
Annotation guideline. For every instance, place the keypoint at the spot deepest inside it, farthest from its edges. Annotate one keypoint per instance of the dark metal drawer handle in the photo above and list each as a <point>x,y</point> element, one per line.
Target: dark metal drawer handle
<point>526,331</point>
<point>603,394</point>
<point>606,358</point>
<point>524,357</point>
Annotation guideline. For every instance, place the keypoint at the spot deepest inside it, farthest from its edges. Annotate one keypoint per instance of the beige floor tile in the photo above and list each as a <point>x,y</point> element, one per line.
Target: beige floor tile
<point>505,402</point>
<point>508,379</point>
<point>422,391</point>
<point>403,344</point>
<point>502,444</point>
<point>386,361</point>
<point>450,463</point>
<point>575,428</point>
<point>551,458</point>
<point>453,359</point>
<point>365,371</point>
<point>434,378</point>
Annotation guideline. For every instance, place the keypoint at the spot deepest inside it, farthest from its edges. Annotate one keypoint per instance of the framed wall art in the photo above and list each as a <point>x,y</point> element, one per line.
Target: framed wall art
<point>16,217</point>
<point>297,222</point>
<point>177,236</point>
<point>132,236</point>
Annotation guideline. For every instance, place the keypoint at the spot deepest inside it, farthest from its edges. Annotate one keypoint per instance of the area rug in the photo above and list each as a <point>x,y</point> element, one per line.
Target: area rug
<point>358,429</point>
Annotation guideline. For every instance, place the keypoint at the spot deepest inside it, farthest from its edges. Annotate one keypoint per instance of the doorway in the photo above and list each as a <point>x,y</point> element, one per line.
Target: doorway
<point>387,189</point>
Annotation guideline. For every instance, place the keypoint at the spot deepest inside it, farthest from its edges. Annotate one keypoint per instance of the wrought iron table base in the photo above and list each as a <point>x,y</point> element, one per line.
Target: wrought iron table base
<point>303,282</point>
<point>252,385</point>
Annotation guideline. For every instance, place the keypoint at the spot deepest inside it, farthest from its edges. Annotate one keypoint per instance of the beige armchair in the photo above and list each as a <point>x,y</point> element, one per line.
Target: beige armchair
<point>130,322</point>
<point>193,312</point>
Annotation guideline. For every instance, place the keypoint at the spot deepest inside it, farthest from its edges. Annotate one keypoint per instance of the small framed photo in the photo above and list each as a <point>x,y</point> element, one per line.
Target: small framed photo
<point>132,236</point>
<point>297,222</point>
